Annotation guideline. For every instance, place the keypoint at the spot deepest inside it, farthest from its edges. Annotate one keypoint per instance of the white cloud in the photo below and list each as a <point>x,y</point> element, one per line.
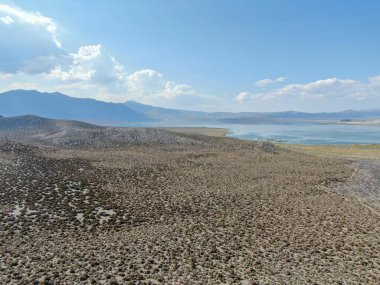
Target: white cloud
<point>243,96</point>
<point>268,81</point>
<point>87,53</point>
<point>145,82</point>
<point>331,94</point>
<point>29,41</point>
<point>7,20</point>
<point>148,85</point>
<point>31,18</point>
<point>320,89</point>
<point>4,76</point>
<point>90,64</point>
<point>23,85</point>
<point>82,65</point>
<point>374,80</point>
<point>173,90</point>
<point>75,86</point>
<point>325,95</point>
<point>106,79</point>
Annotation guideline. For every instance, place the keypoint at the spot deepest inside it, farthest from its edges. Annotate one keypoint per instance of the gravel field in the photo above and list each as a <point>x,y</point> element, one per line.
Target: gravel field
<point>186,210</point>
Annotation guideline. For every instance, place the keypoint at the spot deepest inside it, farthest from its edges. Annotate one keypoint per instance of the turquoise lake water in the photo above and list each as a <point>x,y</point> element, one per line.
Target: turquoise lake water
<point>298,133</point>
<point>303,133</point>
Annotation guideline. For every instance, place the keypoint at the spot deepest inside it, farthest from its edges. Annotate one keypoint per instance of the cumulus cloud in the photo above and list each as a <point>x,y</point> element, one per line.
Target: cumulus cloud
<point>172,90</point>
<point>148,83</point>
<point>268,81</point>
<point>13,14</point>
<point>29,41</point>
<point>243,96</point>
<point>82,65</point>
<point>146,86</point>
<point>326,88</point>
<point>95,69</point>
<point>145,82</point>
<point>102,74</point>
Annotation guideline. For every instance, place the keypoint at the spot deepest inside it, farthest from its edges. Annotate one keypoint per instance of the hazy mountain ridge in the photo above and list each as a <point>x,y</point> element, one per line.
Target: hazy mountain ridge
<point>247,117</point>
<point>60,106</point>
<point>160,113</point>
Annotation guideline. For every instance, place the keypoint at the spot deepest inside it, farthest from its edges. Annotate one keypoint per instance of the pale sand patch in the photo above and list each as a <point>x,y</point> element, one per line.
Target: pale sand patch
<point>371,151</point>
<point>212,132</point>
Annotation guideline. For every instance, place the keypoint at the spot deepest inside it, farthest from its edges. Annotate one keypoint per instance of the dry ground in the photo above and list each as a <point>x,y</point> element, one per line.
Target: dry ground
<point>345,151</point>
<point>220,211</point>
<point>364,184</point>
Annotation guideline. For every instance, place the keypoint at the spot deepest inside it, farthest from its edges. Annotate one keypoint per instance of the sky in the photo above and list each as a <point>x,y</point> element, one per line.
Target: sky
<point>214,55</point>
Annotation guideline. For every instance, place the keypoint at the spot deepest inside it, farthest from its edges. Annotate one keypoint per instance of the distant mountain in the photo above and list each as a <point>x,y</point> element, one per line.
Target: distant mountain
<point>164,114</point>
<point>60,106</point>
<point>347,114</point>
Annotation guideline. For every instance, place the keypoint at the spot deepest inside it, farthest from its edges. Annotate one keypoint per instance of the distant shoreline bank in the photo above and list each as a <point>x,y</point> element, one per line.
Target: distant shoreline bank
<point>212,132</point>
<point>352,151</point>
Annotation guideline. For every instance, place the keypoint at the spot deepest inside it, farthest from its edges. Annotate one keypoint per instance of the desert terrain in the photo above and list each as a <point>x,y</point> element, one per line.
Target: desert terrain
<point>95,205</point>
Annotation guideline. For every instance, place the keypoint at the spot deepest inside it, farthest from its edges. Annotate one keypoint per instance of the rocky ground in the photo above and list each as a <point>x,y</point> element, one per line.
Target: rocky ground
<point>212,211</point>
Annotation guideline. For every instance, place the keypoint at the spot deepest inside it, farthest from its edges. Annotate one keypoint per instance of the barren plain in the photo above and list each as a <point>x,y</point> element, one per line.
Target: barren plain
<point>191,209</point>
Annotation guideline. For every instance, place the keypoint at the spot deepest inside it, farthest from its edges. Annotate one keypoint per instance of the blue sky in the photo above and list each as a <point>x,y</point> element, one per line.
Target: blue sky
<point>204,55</point>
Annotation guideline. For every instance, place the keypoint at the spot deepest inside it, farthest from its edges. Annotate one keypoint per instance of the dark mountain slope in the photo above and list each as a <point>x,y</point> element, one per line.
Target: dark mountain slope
<point>59,106</point>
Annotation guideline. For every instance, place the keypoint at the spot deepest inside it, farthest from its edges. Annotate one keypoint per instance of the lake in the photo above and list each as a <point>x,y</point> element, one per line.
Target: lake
<point>306,133</point>
<point>297,133</point>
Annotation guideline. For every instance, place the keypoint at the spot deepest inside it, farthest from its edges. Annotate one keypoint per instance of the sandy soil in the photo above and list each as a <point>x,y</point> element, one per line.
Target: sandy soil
<point>221,211</point>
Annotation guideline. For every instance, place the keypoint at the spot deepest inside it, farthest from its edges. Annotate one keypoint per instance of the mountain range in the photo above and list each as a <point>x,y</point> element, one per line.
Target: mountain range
<point>60,106</point>
<point>163,114</point>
